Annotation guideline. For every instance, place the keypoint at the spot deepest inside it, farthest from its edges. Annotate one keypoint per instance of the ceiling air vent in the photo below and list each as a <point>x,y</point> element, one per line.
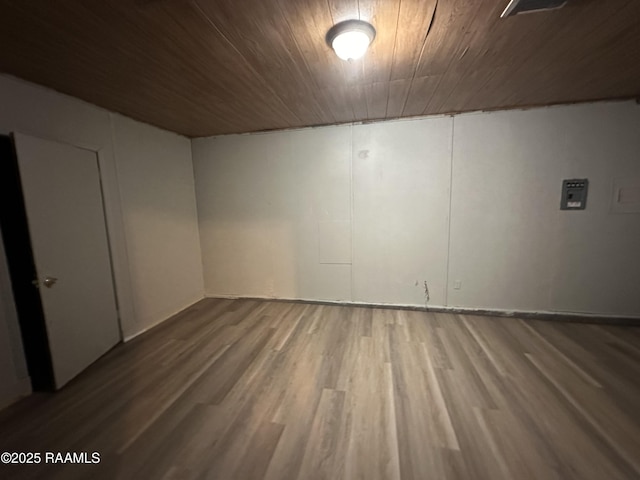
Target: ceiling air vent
<point>516,7</point>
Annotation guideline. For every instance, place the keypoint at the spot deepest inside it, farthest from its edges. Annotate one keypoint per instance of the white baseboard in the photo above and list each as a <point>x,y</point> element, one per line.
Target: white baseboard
<point>539,314</point>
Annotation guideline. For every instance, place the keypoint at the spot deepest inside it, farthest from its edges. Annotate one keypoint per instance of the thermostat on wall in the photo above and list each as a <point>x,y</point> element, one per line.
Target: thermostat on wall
<point>574,194</point>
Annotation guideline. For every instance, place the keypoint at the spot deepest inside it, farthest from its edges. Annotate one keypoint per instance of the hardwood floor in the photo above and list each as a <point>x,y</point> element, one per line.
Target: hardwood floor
<point>243,389</point>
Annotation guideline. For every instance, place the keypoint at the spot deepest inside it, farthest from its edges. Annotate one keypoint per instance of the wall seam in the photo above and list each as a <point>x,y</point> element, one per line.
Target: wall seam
<point>446,277</point>
<point>351,209</point>
<point>552,272</point>
<point>125,248</point>
<point>197,213</point>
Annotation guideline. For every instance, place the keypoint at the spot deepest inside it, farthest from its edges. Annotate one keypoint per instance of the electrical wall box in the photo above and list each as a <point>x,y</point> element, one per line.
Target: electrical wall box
<point>574,194</point>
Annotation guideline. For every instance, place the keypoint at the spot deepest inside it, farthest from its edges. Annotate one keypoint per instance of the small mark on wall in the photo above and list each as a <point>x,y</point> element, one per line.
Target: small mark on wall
<point>363,154</point>
<point>426,292</point>
<point>271,290</point>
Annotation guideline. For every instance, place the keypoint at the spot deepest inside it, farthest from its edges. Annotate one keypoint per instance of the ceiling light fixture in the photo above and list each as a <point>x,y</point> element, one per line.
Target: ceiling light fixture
<point>350,39</point>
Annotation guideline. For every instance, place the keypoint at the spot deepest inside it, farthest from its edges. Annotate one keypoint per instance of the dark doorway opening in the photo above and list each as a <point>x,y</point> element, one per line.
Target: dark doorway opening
<point>22,270</point>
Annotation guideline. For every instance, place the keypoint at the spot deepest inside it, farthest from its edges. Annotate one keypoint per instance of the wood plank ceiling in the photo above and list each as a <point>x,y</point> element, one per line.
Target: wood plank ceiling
<point>206,67</point>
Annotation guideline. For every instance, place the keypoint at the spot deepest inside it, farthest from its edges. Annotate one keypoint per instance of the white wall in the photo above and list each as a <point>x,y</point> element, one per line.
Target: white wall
<point>273,211</point>
<point>401,179</point>
<point>147,171</point>
<point>511,246</point>
<point>155,176</point>
<point>472,198</point>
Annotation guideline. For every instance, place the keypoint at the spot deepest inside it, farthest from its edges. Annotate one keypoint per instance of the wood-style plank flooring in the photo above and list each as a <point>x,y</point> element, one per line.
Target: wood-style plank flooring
<point>242,389</point>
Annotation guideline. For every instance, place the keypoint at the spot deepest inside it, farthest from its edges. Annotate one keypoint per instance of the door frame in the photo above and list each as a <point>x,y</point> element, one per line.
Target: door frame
<point>41,371</point>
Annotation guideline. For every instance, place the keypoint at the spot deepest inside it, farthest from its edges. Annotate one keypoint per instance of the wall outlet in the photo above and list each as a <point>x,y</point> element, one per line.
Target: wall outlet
<point>457,284</point>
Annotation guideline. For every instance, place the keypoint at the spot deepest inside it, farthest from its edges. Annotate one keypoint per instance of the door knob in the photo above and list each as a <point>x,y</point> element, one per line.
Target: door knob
<point>49,281</point>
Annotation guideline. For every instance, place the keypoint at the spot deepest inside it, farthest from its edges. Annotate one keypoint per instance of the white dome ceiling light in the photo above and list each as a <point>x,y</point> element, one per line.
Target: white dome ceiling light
<point>350,39</point>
